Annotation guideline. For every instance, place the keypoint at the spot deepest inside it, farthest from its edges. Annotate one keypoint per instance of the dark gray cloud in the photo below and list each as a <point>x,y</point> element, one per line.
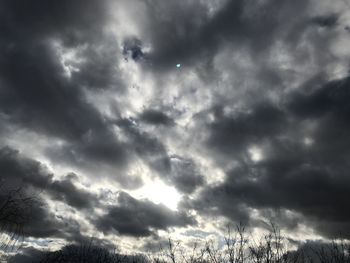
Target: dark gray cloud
<point>176,170</point>
<point>309,178</point>
<point>156,118</point>
<point>19,171</point>
<point>198,36</point>
<point>319,250</point>
<point>27,255</point>
<point>28,182</point>
<point>43,223</point>
<point>43,99</point>
<point>22,214</point>
<point>66,191</point>
<point>48,103</point>
<point>25,211</point>
<point>330,99</point>
<point>145,145</point>
<point>140,217</point>
<point>232,134</point>
<point>132,48</point>
<point>184,174</point>
<point>325,21</point>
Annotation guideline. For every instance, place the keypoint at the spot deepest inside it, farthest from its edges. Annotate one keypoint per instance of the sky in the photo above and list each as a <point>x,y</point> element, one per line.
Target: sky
<point>135,120</point>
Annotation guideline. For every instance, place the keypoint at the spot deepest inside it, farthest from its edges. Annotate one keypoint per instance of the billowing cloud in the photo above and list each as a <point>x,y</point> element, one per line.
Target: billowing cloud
<point>18,171</point>
<point>140,217</point>
<point>295,170</point>
<point>253,125</point>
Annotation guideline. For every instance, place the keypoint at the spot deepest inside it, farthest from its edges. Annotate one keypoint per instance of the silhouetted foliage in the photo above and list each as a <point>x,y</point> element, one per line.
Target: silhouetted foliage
<point>15,212</point>
<point>88,254</point>
<point>238,248</point>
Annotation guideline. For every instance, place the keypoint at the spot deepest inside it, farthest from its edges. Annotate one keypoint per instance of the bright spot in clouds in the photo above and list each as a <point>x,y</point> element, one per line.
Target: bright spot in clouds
<point>256,154</point>
<point>160,193</point>
<point>308,141</point>
<point>178,65</point>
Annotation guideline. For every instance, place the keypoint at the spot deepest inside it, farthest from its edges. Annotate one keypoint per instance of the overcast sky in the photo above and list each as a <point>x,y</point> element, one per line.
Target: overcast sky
<point>133,120</point>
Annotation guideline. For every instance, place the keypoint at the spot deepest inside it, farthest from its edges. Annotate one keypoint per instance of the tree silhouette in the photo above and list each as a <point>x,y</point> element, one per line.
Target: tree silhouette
<point>15,213</point>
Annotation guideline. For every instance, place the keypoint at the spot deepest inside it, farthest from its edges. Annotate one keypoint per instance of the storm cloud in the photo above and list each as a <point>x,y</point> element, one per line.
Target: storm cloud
<point>307,175</point>
<point>135,118</point>
<point>140,217</point>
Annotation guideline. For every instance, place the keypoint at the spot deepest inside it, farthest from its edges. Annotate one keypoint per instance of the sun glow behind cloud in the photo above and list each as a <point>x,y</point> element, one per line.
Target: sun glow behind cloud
<point>159,192</point>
